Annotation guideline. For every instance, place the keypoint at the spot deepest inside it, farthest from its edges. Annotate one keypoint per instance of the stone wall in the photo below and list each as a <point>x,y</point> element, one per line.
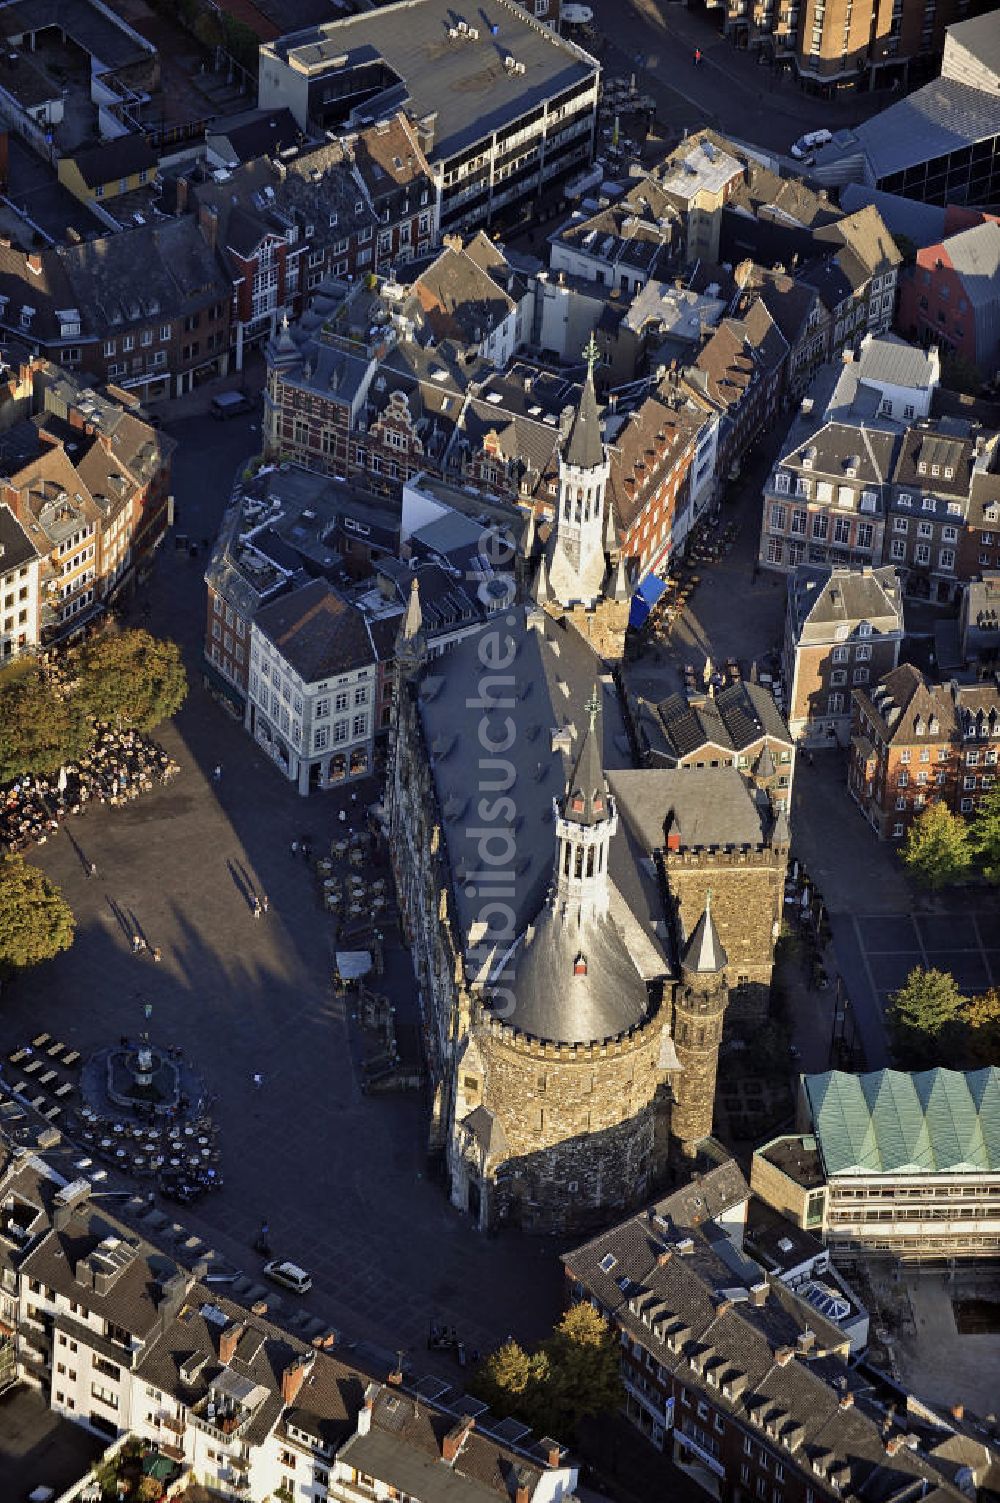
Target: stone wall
<point>747,894</point>
<point>579,1122</point>
<point>603,626</point>
<point>697,1030</point>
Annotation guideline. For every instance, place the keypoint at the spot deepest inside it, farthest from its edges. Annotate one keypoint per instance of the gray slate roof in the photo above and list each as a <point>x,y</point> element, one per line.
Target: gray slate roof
<point>942,117</point>
<point>585,447</point>
<point>705,806</point>
<point>550,1001</point>
<point>553,673</point>
<point>975,255</point>
<point>821,598</point>
<point>317,632</point>
<point>16,548</point>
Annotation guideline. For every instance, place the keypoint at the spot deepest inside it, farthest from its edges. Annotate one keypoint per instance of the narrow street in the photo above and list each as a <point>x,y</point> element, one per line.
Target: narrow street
<point>729,90</point>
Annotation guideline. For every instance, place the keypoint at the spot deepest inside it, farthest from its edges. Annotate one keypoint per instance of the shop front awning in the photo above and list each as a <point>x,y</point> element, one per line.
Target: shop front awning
<point>644,599</point>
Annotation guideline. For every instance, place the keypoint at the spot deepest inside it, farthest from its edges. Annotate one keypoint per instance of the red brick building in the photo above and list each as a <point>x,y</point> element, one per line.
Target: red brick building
<point>914,743</point>
<point>651,459</point>
<point>951,296</point>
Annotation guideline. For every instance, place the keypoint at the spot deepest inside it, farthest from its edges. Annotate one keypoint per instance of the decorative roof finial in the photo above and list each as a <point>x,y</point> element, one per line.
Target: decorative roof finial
<point>591,354</point>
<point>592,706</point>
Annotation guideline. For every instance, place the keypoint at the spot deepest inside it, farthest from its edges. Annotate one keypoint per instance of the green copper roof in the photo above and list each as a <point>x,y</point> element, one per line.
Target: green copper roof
<point>892,1122</point>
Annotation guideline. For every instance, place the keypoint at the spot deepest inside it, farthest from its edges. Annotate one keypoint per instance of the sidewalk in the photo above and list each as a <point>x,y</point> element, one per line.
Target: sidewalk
<point>198,402</point>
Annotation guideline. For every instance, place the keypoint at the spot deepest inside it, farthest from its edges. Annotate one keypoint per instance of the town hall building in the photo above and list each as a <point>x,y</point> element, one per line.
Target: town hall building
<point>572,1005</point>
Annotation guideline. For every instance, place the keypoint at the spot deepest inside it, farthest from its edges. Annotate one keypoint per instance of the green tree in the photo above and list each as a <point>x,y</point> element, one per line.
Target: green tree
<point>924,1015</point>
<point>36,922</point>
<point>131,678</point>
<point>937,847</point>
<point>980,1020</point>
<point>40,726</point>
<point>984,835</point>
<point>513,1381</point>
<point>584,1358</point>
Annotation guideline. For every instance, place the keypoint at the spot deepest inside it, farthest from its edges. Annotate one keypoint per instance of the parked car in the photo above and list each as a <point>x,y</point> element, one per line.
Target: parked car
<point>289,1274</point>
<point>230,404</point>
<point>805,145</point>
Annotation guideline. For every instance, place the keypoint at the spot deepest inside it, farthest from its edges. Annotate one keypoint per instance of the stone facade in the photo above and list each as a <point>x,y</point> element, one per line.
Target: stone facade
<point>747,889</point>
<point>583,1129</point>
<point>699,1010</point>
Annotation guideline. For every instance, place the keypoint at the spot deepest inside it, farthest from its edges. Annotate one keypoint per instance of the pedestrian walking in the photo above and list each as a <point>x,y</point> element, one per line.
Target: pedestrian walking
<point>217,774</point>
<point>263,902</point>
<point>295,848</point>
<point>258,1079</point>
<point>157,954</point>
<point>138,944</point>
<point>92,869</point>
<point>256,908</point>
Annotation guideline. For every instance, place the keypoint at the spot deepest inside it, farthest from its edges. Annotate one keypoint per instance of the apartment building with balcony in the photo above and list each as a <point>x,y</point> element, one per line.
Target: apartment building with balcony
<point>88,484</point>
<point>20,571</point>
<point>121,1338</point>
<point>914,743</point>
<point>892,1165</point>
<point>504,109</point>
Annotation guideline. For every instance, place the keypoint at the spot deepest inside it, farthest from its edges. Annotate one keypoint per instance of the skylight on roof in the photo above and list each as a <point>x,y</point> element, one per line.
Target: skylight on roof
<point>608,1262</point>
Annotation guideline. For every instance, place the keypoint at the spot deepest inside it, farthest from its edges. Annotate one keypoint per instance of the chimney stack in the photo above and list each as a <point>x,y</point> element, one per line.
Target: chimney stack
<point>806,1340</point>
<point>847,1401</point>
<point>894,1444</point>
<point>34,263</point>
<point>182,195</point>
<point>294,1376</point>
<point>958,1411</point>
<point>553,1451</point>
<point>208,223</point>
<point>365,1412</point>
<point>456,1438</point>
<point>784,1355</point>
<point>758,1294</point>
<point>229,1340</point>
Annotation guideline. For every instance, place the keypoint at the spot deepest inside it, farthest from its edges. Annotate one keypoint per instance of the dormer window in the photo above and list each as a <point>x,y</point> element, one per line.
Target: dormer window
<point>865,629</point>
<point>905,499</point>
<point>929,503</point>
<point>921,468</point>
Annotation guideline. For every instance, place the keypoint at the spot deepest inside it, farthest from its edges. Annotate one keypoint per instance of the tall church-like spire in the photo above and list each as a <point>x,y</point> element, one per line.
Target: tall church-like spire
<point>577,567</point>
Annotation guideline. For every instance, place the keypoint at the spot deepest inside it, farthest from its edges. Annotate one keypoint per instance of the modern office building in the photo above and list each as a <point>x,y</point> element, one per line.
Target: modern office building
<point>503,106</point>
<point>892,1164</point>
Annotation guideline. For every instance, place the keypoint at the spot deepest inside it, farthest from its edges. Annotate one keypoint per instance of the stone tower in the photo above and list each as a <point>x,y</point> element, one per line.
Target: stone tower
<point>699,1008</point>
<point>577,568</point>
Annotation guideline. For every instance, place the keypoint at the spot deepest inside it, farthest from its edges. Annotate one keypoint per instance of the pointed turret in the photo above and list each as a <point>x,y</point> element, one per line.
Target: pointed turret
<point>704,953</point>
<point>411,643</point>
<point>699,1014</point>
<point>586,821</point>
<point>413,620</point>
<point>781,835</point>
<point>765,763</point>
<point>530,537</point>
<point>620,587</point>
<point>587,790</point>
<point>584,446</point>
<point>540,591</point>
